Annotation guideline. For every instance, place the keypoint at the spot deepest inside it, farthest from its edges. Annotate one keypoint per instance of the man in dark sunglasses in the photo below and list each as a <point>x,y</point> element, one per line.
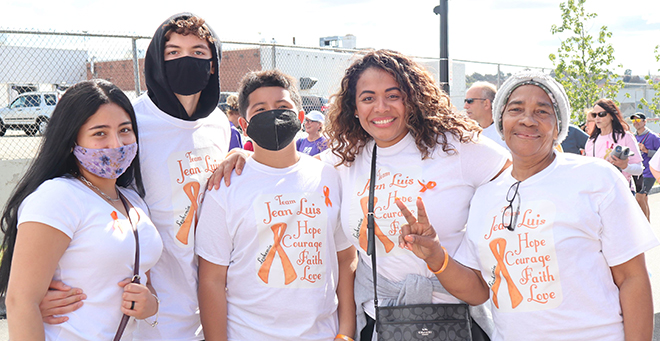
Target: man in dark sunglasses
<point>479,107</point>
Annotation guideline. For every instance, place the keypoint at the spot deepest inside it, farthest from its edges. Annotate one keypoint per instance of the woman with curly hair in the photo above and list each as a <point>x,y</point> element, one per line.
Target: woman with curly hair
<point>423,150</point>
<point>612,131</point>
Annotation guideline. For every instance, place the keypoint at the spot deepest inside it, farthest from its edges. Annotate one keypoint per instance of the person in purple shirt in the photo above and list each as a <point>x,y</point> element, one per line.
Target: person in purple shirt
<point>232,115</point>
<point>649,143</point>
<point>314,143</point>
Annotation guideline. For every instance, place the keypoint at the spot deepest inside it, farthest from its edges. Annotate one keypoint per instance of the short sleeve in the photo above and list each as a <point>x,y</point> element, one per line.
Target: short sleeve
<point>54,204</point>
<point>631,142</point>
<point>466,254</point>
<point>655,162</point>
<point>212,239</point>
<point>481,161</point>
<point>341,241</point>
<point>625,231</point>
<point>328,157</point>
<point>655,141</point>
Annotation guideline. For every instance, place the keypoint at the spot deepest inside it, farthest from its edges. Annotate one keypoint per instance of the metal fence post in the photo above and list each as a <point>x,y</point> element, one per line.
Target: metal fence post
<point>274,58</point>
<point>136,67</point>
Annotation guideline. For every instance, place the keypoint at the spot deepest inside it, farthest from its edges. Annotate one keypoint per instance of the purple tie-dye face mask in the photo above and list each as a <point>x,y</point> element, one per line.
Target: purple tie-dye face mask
<point>107,163</point>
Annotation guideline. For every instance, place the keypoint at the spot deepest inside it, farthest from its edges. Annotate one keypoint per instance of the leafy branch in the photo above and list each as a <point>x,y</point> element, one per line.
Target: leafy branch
<point>583,61</point>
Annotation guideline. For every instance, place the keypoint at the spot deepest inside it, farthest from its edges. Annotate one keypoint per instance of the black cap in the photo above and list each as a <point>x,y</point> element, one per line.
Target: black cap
<point>638,115</point>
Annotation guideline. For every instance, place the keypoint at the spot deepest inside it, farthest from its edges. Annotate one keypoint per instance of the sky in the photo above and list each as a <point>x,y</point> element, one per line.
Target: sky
<point>496,31</point>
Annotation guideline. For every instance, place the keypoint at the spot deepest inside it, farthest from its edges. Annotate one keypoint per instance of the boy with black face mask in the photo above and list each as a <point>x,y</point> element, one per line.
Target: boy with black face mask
<point>182,137</point>
<point>273,260</point>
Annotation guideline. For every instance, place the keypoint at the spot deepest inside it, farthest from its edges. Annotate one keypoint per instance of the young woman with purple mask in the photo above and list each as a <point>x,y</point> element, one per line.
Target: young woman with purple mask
<point>76,217</point>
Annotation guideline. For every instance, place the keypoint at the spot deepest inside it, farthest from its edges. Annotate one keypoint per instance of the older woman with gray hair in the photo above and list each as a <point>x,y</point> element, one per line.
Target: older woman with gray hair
<point>556,241</point>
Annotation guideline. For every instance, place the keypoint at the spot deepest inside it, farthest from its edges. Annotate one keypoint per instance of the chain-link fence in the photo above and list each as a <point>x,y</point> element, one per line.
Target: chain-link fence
<point>36,67</point>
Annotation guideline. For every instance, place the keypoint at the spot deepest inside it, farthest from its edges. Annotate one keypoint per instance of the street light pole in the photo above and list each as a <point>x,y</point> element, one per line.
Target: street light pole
<point>441,10</point>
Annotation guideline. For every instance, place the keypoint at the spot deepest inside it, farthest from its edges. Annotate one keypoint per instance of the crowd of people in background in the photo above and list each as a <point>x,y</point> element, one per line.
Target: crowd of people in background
<point>169,219</point>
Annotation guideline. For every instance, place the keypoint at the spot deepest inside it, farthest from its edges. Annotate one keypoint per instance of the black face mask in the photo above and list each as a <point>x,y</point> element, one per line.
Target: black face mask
<point>273,129</point>
<point>188,75</point>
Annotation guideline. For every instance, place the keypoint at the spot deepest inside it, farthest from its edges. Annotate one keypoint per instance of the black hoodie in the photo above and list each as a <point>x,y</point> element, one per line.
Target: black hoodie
<point>159,90</point>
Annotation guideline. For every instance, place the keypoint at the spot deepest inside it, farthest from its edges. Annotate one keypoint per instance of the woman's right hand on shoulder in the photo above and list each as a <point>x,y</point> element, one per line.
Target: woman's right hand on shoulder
<point>235,160</point>
<point>59,300</point>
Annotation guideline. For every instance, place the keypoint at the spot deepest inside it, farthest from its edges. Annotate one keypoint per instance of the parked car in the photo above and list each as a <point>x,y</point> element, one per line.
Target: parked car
<point>29,112</point>
<point>310,103</point>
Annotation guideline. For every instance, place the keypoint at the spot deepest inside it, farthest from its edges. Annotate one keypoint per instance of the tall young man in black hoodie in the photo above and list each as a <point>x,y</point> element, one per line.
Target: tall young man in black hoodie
<point>183,136</point>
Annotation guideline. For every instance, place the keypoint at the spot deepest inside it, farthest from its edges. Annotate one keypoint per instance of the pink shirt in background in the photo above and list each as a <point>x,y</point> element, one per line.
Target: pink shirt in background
<point>603,145</point>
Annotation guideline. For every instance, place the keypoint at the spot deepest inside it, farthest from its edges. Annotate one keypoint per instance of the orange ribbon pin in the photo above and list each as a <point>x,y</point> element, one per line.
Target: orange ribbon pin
<point>498,247</point>
<point>364,201</point>
<point>192,191</point>
<point>428,185</point>
<point>326,193</point>
<point>289,271</point>
<point>115,221</point>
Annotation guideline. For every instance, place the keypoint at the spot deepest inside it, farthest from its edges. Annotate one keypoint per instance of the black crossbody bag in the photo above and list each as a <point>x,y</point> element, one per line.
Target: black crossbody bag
<point>416,321</point>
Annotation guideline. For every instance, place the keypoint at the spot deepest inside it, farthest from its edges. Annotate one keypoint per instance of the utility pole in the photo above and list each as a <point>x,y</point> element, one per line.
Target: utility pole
<point>441,10</point>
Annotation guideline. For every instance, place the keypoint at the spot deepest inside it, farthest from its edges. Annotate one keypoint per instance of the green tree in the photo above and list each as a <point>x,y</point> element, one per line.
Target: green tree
<point>654,105</point>
<point>583,63</point>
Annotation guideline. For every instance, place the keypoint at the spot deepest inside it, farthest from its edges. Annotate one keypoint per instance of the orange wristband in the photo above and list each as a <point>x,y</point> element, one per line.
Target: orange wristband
<point>444,265</point>
<point>344,337</point>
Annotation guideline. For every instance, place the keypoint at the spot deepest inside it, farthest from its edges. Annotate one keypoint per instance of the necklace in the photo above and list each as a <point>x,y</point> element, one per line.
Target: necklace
<point>98,190</point>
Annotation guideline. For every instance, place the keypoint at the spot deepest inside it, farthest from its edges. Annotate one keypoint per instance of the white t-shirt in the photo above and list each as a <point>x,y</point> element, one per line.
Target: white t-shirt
<point>491,133</point>
<point>177,157</point>
<point>445,182</point>
<point>100,255</point>
<point>286,291</point>
<point>551,275</point>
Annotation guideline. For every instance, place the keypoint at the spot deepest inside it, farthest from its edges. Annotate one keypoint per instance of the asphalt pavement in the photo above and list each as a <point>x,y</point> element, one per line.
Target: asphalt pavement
<point>652,263</point>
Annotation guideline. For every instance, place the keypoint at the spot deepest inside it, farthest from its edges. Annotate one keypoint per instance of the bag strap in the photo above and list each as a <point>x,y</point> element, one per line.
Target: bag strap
<point>371,241</point>
<point>645,137</point>
<point>136,267</point>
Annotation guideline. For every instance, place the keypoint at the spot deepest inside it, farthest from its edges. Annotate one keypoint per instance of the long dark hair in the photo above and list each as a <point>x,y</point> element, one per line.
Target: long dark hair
<point>618,128</point>
<point>429,110</point>
<point>55,157</point>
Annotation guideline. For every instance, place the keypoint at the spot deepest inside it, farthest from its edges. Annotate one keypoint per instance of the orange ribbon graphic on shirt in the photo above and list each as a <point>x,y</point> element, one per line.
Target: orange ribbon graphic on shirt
<point>289,271</point>
<point>115,221</point>
<point>326,193</point>
<point>429,185</point>
<point>498,247</point>
<point>364,201</point>
<point>192,191</point>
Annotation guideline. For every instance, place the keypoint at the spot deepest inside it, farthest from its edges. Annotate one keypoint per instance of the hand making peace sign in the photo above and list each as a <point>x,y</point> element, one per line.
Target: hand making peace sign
<point>419,236</point>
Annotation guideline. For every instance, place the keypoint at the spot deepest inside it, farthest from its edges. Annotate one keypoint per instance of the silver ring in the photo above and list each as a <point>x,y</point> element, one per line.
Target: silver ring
<point>132,305</point>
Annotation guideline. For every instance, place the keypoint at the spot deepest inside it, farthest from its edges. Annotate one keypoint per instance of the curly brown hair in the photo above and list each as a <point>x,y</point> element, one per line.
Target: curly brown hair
<point>430,115</point>
<point>193,25</point>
